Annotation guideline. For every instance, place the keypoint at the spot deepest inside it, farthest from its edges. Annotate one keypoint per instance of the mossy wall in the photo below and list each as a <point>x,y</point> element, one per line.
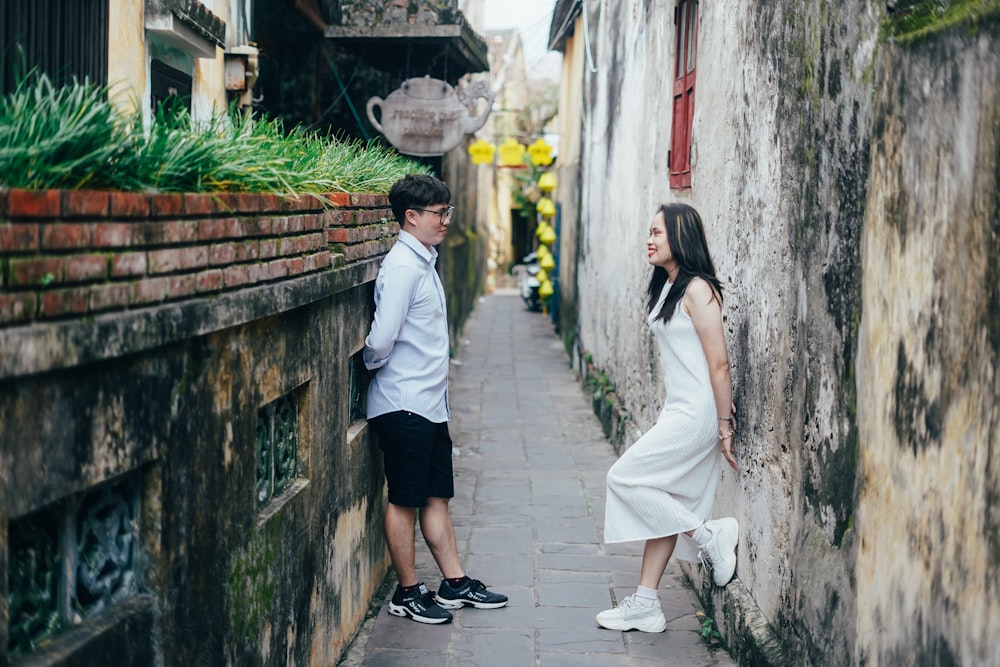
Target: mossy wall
<point>929,362</point>
<point>219,578</point>
<point>848,183</point>
<point>821,55</point>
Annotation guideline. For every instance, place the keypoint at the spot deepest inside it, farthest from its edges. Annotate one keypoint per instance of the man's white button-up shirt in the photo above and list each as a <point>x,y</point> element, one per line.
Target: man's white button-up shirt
<point>408,342</point>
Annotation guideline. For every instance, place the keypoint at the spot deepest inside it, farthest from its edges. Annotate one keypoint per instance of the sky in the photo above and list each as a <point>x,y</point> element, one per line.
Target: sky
<point>532,19</point>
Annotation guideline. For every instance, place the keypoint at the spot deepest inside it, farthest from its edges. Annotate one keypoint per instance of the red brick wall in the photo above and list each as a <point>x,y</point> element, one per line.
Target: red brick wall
<point>72,253</point>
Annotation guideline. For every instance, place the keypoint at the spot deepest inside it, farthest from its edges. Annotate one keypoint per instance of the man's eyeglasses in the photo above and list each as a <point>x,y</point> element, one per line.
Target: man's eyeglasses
<point>444,214</point>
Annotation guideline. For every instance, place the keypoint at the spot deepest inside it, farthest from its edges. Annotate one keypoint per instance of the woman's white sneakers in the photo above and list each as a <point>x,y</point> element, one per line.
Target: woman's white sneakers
<point>634,613</point>
<point>720,551</point>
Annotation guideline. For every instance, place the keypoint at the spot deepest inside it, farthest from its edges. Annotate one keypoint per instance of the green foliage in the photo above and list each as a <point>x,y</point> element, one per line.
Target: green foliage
<point>68,137</point>
<point>708,633</point>
<point>600,384</point>
<point>252,585</point>
<point>72,137</point>
<point>911,20</point>
<point>365,167</point>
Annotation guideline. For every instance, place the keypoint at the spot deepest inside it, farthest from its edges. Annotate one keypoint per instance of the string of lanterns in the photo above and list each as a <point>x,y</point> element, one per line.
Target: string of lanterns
<point>512,154</point>
<point>545,232</point>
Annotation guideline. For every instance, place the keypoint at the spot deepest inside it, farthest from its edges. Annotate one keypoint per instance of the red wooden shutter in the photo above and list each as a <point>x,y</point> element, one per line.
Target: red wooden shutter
<point>685,58</point>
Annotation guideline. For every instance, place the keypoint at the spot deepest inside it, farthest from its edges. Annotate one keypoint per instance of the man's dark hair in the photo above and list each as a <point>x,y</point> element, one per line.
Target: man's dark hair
<point>417,191</point>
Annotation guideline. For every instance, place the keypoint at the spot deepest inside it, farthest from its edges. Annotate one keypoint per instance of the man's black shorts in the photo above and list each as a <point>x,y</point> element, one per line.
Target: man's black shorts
<point>417,458</point>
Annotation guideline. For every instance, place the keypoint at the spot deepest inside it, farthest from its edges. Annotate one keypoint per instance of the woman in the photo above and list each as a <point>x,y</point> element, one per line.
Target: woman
<point>663,485</point>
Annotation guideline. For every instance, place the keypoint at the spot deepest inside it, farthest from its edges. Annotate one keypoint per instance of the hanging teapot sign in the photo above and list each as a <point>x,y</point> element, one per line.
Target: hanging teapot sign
<point>427,117</point>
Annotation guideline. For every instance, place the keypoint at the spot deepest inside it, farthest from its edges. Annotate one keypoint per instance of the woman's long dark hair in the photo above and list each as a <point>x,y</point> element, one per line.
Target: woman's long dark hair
<point>686,236</point>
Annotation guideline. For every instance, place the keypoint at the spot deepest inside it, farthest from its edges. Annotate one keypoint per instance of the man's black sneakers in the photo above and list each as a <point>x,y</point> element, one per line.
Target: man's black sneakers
<point>419,605</point>
<point>471,592</point>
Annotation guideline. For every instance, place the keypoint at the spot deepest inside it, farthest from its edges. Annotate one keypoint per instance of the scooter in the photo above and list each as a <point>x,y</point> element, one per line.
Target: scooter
<point>527,282</point>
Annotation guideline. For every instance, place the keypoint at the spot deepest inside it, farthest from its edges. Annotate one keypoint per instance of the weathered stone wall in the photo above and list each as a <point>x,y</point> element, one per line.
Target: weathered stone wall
<point>848,187</point>
<point>795,332</point>
<point>152,509</point>
<point>928,522</point>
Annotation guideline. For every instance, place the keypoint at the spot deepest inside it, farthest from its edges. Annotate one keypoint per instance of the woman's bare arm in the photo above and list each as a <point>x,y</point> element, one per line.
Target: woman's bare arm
<point>703,305</point>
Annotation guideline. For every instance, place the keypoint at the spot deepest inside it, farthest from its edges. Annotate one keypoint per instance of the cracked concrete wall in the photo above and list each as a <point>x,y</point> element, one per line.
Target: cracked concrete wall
<point>791,98</point>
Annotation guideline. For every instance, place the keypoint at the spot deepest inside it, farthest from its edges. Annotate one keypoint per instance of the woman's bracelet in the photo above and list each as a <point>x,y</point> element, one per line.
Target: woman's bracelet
<point>726,419</point>
<point>727,434</point>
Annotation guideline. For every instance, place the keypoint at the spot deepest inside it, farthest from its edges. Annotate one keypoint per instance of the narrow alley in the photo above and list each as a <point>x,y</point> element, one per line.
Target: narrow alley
<point>530,464</point>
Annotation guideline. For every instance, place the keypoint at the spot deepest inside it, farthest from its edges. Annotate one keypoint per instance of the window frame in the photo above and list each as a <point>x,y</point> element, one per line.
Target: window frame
<point>682,97</point>
<point>60,38</point>
<point>170,89</point>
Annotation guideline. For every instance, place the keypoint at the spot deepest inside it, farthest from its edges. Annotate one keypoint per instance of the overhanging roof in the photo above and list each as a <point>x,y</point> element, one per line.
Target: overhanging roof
<point>563,16</point>
<point>448,51</point>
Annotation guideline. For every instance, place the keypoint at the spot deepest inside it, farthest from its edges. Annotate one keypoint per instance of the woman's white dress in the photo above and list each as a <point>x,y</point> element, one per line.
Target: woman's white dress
<point>664,484</point>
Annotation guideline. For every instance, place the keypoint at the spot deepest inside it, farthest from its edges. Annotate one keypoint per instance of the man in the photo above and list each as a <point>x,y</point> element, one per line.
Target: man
<point>408,404</point>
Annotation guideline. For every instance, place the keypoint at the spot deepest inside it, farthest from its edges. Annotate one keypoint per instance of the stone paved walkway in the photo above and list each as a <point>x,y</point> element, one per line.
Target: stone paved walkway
<point>530,462</point>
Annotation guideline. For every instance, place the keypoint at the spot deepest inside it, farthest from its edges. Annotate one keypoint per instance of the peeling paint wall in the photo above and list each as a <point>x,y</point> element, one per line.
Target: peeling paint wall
<point>210,98</point>
<point>848,187</point>
<point>567,170</point>
<point>821,57</point>
<point>929,358</point>
<point>132,48</point>
<point>127,76</point>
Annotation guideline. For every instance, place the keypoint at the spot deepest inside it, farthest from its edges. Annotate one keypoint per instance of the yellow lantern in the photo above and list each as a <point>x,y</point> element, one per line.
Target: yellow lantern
<point>511,153</point>
<point>546,207</point>
<point>547,182</point>
<point>547,262</point>
<point>545,290</point>
<point>541,153</point>
<point>542,251</point>
<point>542,275</point>
<point>540,229</point>
<point>548,236</point>
<point>482,151</point>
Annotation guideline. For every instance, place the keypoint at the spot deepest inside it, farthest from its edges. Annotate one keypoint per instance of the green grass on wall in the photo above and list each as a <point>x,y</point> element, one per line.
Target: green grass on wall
<point>73,137</point>
<point>912,20</point>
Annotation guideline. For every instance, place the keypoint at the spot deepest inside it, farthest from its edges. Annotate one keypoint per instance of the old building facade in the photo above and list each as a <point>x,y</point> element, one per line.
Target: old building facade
<point>844,158</point>
<point>186,474</point>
